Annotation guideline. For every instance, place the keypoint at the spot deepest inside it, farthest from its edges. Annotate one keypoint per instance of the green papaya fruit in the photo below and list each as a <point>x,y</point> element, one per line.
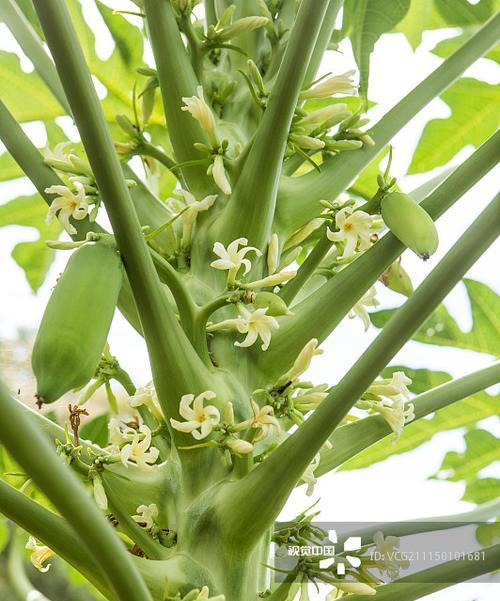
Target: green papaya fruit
<point>76,321</point>
<point>275,305</point>
<point>396,278</point>
<point>410,223</point>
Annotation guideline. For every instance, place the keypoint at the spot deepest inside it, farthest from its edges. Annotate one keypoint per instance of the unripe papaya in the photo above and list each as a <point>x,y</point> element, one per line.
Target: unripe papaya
<point>396,278</point>
<point>410,223</point>
<point>275,305</point>
<point>76,321</point>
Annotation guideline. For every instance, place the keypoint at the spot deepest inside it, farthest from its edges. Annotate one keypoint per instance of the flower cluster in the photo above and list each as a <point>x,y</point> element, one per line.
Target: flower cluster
<point>389,397</point>
<point>132,444</point>
<point>353,231</point>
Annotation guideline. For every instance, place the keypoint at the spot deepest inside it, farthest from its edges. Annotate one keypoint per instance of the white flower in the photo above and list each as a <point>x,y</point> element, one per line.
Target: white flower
<point>118,433</point>
<point>238,446</point>
<point>232,259</point>
<point>255,325</point>
<point>395,412</point>
<point>200,420</point>
<point>308,476</point>
<point>262,419</point>
<point>67,205</point>
<point>220,176</point>
<point>310,399</point>
<point>146,515</point>
<point>307,142</point>
<point>272,280</point>
<point>58,156</point>
<point>392,387</point>
<point>99,493</point>
<point>389,559</point>
<point>201,111</point>
<point>359,309</point>
<point>193,207</point>
<point>139,449</point>
<point>337,84</point>
<point>354,230</point>
<point>146,395</point>
<point>304,232</point>
<point>304,358</point>
<point>355,588</point>
<point>273,254</point>
<point>324,114</point>
<point>39,554</point>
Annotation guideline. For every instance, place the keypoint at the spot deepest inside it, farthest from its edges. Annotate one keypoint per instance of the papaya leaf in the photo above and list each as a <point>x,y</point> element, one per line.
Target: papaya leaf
<point>447,47</point>
<point>441,329</point>
<point>474,109</point>
<point>482,449</point>
<point>488,534</point>
<point>415,22</point>
<point>96,430</point>
<point>482,490</point>
<point>34,257</point>
<point>365,21</point>
<point>463,12</point>
<point>128,38</point>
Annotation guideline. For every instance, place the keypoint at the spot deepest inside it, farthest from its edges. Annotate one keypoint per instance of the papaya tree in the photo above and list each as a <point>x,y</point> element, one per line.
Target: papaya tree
<point>246,216</point>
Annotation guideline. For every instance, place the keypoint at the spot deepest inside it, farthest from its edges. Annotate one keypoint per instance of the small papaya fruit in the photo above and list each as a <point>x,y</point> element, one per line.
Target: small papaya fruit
<point>397,279</point>
<point>410,223</point>
<point>76,321</point>
<point>275,305</point>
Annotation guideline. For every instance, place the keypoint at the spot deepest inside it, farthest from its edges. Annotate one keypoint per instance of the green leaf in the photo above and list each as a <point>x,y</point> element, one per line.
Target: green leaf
<point>488,534</point>
<point>366,184</point>
<point>365,21</point>
<point>474,112</point>
<point>482,449</point>
<point>482,490</point>
<point>128,38</point>
<point>441,329</point>
<point>25,94</point>
<point>33,257</point>
<point>463,12</point>
<point>415,21</point>
<point>447,47</point>
<point>96,430</point>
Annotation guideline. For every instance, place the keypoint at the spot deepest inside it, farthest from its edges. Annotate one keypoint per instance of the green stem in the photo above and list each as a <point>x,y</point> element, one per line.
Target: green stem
<point>154,152</point>
<point>349,285</point>
<point>306,270</point>
<point>338,172</point>
<point>176,367</point>
<point>325,35</point>
<point>251,208</point>
<point>354,438</point>
<point>177,80</point>
<point>31,44</point>
<point>276,476</point>
<point>437,578</point>
<point>53,532</point>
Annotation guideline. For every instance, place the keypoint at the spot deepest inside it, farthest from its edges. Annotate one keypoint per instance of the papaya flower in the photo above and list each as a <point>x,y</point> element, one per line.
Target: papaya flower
<point>331,86</point>
<point>389,559</point>
<point>273,254</point>
<point>146,395</point>
<point>392,387</point>
<point>350,587</point>
<point>359,309</point>
<point>139,449</point>
<point>395,412</point>
<point>202,112</point>
<point>262,419</point>
<point>303,360</point>
<point>39,555</point>
<point>354,230</point>
<point>190,211</point>
<point>67,205</point>
<point>254,325</point>
<point>231,259</point>
<point>238,446</point>
<point>220,176</point>
<point>308,476</point>
<point>146,515</point>
<point>200,420</point>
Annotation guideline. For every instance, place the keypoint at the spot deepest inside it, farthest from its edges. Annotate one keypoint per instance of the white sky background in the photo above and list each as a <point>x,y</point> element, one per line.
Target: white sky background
<point>399,487</point>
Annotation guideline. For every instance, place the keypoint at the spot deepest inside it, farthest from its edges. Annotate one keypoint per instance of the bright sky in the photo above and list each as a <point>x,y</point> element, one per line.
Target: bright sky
<point>399,487</point>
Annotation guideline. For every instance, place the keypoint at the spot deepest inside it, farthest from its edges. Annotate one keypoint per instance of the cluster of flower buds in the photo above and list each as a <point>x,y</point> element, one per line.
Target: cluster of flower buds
<point>275,28</point>
<point>226,29</point>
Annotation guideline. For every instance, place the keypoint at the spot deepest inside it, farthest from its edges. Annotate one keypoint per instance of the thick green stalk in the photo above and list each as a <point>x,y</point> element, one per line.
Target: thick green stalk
<point>436,578</point>
<point>28,39</point>
<point>251,208</point>
<point>52,531</point>
<point>350,440</point>
<point>325,35</point>
<point>320,313</point>
<point>298,197</point>
<point>258,498</point>
<point>31,449</point>
<point>177,80</point>
<point>176,367</point>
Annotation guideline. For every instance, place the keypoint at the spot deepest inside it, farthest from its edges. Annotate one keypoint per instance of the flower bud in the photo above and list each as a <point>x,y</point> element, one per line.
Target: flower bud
<point>307,142</point>
<point>301,364</point>
<point>337,84</point>
<point>324,114</point>
<point>303,233</point>
<point>345,145</point>
<point>272,280</point>
<point>240,27</point>
<point>238,446</point>
<point>273,254</point>
<point>397,279</point>
<point>229,414</point>
<point>220,176</point>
